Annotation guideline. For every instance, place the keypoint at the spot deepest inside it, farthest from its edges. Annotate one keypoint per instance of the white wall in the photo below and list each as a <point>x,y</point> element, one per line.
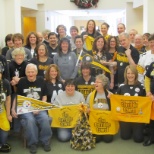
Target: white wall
<point>134,18</point>
<point>2,25</point>
<point>31,4</point>
<point>137,3</point>
<point>67,5</point>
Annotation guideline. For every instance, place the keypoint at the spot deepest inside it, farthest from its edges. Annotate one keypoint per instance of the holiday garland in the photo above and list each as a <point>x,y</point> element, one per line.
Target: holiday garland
<point>85,3</point>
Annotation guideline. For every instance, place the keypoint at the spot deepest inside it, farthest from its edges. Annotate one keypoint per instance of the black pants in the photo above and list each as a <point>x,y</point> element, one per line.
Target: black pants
<point>105,138</point>
<point>129,129</point>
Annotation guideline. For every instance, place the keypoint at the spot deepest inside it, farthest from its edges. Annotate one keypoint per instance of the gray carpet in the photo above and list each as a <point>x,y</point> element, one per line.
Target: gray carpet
<point>118,146</point>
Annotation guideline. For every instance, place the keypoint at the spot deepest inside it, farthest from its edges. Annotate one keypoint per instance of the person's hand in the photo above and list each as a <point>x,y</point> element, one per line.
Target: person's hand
<point>128,52</point>
<point>9,117</point>
<point>36,112</point>
<point>111,85</point>
<point>149,94</point>
<point>84,37</point>
<point>104,62</point>
<point>14,114</point>
<point>16,79</point>
<point>13,83</point>
<point>63,81</point>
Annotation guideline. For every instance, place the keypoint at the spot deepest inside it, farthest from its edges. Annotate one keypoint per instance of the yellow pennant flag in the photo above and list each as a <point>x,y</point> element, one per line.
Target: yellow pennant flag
<point>65,116</point>
<point>26,104</point>
<point>89,42</point>
<point>131,108</point>
<point>101,122</point>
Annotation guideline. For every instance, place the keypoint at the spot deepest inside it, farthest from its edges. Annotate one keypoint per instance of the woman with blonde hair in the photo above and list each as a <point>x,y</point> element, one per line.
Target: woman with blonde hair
<point>53,83</point>
<point>131,87</point>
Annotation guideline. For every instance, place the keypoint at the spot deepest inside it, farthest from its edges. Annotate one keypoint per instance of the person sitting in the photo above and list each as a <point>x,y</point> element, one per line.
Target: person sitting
<point>98,100</point>
<point>85,82</point>
<point>68,97</point>
<point>37,122</point>
<point>128,88</point>
<point>85,78</point>
<point>5,116</point>
<point>53,83</point>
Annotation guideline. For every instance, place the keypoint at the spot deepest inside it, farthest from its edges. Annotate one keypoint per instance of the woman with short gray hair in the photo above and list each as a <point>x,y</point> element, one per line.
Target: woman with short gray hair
<point>98,100</point>
<point>17,66</point>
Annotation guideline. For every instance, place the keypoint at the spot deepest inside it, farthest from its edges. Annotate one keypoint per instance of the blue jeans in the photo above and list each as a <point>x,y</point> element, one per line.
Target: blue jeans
<point>64,134</point>
<point>36,127</point>
<point>3,136</point>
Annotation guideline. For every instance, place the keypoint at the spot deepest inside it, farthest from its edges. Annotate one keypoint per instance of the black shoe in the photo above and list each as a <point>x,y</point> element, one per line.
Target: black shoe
<point>148,142</point>
<point>5,148</point>
<point>47,147</point>
<point>33,149</point>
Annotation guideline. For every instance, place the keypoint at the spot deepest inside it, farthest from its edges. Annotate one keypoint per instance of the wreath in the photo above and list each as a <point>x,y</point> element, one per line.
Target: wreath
<point>85,3</point>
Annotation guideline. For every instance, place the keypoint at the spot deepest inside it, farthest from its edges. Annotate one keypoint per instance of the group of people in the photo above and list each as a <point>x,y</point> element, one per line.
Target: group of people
<point>53,65</point>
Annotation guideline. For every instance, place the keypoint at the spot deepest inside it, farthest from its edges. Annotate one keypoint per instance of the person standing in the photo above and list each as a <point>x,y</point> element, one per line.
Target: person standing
<point>53,44</point>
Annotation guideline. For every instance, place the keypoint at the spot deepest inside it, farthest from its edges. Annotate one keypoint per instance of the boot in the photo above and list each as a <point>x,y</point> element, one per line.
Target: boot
<point>150,139</point>
<point>5,148</point>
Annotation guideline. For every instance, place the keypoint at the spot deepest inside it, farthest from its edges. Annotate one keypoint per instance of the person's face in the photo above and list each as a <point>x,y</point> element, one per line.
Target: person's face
<point>130,76</point>
<point>91,26</point>
<point>19,58</point>
<point>73,33</point>
<point>78,43</point>
<point>10,43</point>
<point>31,73</point>
<point>85,72</point>
<point>132,35</point>
<point>124,41</point>
<point>53,40</point>
<point>112,43</point>
<point>70,89</point>
<point>32,39</point>
<point>138,41</point>
<point>100,43</point>
<point>61,31</point>
<point>40,37</point>
<point>53,73</point>
<point>151,45</point>
<point>41,51</point>
<point>104,29</point>
<point>120,28</point>
<point>98,84</point>
<point>18,42</point>
<point>145,41</point>
<point>64,46</point>
<point>46,36</point>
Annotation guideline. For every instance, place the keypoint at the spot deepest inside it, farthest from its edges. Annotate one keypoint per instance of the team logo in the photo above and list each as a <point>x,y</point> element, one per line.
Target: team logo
<point>26,104</point>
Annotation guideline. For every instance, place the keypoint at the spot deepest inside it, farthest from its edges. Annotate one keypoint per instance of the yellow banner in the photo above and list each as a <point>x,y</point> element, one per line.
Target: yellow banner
<point>65,117</point>
<point>25,105</point>
<point>89,42</point>
<point>101,122</point>
<point>131,108</point>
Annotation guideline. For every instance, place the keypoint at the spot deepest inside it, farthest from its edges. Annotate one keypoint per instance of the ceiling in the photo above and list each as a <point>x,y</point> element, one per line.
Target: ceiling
<point>88,12</point>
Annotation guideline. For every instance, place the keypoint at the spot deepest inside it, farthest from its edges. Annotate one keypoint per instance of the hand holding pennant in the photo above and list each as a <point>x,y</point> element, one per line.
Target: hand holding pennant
<point>25,105</point>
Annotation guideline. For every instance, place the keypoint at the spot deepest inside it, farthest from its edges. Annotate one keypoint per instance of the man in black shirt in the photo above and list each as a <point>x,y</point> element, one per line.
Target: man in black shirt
<point>36,122</point>
<point>53,44</point>
<point>126,55</point>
